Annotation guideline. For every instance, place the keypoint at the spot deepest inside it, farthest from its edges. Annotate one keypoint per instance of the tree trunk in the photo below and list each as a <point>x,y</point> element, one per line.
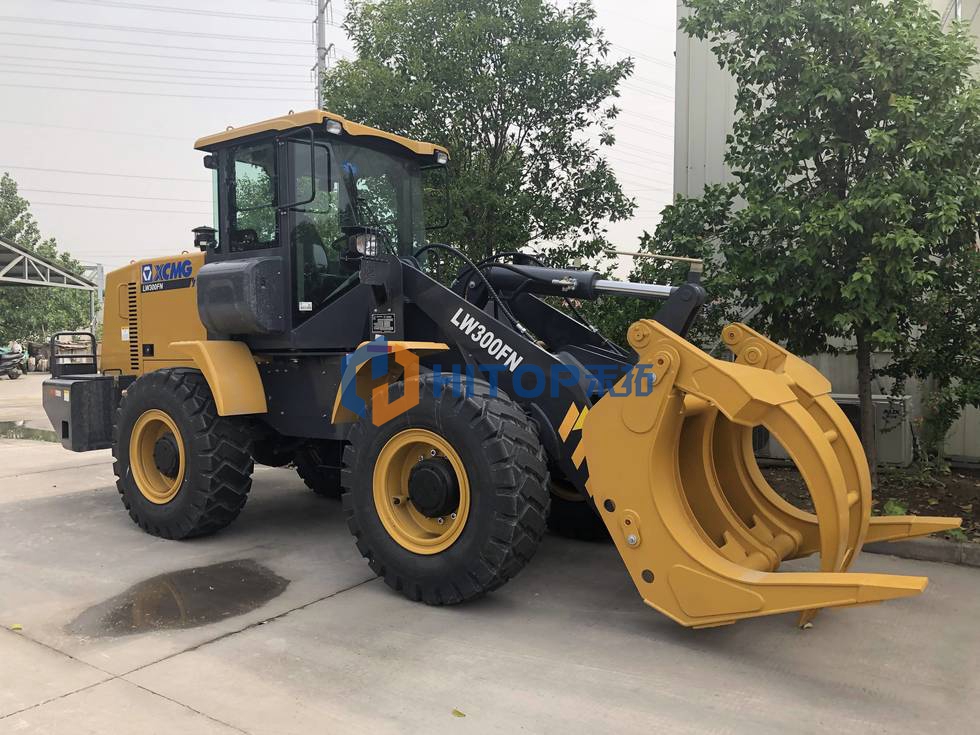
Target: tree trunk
<point>867,407</point>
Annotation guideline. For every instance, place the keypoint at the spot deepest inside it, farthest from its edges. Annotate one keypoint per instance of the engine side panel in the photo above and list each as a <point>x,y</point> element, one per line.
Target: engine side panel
<point>149,304</point>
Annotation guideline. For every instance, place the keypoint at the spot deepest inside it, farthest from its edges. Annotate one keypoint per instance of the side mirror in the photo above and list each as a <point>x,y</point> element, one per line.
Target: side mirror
<point>436,203</point>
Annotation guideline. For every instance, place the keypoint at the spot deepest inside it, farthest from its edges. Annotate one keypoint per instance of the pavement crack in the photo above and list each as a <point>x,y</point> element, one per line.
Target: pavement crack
<point>60,696</point>
<point>111,677</point>
<point>184,705</point>
<point>55,469</point>
<point>250,626</point>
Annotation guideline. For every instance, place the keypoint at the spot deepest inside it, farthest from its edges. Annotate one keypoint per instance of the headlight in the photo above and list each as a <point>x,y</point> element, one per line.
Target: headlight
<point>366,244</point>
<point>441,158</point>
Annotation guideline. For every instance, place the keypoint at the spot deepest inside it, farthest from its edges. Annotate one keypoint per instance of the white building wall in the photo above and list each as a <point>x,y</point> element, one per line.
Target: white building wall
<point>704,112</point>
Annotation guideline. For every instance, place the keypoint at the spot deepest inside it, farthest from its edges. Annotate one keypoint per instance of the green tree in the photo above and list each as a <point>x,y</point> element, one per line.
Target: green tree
<point>855,151</point>
<point>945,353</point>
<point>32,313</point>
<point>520,93</point>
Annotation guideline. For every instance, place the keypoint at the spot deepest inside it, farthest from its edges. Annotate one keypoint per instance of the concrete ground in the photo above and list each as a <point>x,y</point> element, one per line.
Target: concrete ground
<point>290,633</point>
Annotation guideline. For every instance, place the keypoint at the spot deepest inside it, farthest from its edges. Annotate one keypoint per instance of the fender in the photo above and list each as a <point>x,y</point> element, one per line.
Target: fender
<point>365,384</point>
<point>230,370</point>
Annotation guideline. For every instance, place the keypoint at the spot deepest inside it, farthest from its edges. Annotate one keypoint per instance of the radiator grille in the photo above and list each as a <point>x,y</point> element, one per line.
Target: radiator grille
<point>134,337</point>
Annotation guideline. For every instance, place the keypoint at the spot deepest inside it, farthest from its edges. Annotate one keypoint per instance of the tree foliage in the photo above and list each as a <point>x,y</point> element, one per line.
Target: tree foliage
<point>855,152</point>
<point>519,92</point>
<point>33,313</point>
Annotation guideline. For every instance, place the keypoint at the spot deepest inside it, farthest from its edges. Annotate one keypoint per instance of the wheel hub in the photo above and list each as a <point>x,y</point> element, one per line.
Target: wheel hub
<point>166,456</point>
<point>421,491</point>
<point>156,456</point>
<point>433,487</point>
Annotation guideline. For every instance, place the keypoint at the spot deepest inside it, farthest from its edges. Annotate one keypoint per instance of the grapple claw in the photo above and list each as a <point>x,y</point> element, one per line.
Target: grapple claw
<point>896,528</point>
<point>676,482</point>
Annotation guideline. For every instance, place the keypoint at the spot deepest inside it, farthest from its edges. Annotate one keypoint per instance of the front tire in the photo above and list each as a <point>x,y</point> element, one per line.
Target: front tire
<point>432,537</point>
<point>573,516</point>
<point>13,374</point>
<point>182,470</point>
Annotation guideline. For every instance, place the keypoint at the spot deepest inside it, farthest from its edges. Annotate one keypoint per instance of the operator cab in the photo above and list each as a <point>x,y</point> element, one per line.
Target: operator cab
<point>316,192</point>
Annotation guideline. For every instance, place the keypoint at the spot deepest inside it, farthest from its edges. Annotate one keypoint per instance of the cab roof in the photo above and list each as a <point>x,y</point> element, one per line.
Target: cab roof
<point>296,120</point>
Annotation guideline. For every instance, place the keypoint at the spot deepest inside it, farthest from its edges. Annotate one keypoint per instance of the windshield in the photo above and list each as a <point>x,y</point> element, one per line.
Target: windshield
<point>352,188</point>
<point>366,188</point>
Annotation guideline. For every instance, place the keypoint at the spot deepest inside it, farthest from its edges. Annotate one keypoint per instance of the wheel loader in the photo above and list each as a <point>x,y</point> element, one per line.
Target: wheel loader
<point>457,422</point>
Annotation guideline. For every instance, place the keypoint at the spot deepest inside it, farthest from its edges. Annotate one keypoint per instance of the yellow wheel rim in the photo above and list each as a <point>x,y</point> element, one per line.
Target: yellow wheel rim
<point>152,483</point>
<point>404,523</point>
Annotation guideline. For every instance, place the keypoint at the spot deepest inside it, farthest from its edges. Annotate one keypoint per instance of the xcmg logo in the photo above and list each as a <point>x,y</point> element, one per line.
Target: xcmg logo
<point>166,276</point>
<point>167,271</point>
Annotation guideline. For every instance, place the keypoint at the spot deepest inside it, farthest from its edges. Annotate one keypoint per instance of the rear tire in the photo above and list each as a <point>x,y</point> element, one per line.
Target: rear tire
<point>13,374</point>
<point>502,494</point>
<point>318,465</point>
<point>204,487</point>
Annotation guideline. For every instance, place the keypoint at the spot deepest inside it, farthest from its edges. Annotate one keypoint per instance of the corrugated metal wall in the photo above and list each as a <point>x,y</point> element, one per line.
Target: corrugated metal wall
<point>705,102</point>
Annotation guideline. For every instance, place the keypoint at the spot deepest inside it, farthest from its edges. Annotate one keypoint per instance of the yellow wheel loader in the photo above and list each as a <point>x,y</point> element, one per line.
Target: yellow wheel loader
<point>456,422</point>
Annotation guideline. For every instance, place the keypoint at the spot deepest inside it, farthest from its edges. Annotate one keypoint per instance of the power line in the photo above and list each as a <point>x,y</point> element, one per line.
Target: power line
<point>651,118</point>
<point>641,55</point>
<point>649,178</point>
<point>138,29</point>
<point>140,134</point>
<point>183,11</point>
<point>120,209</point>
<point>113,196</point>
<point>149,45</point>
<point>643,169</point>
<point>153,94</point>
<point>73,49</point>
<point>105,173</point>
<point>648,131</point>
<point>620,148</point>
<point>652,81</point>
<point>182,82</point>
<point>648,92</point>
<point>116,67</point>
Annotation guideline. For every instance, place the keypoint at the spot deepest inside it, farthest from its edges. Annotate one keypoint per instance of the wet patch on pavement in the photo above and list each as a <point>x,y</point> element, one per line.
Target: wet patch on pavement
<point>187,598</point>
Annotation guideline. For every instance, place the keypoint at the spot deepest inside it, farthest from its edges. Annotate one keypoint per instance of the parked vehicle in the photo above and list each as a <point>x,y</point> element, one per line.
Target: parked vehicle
<point>252,351</point>
<point>13,362</point>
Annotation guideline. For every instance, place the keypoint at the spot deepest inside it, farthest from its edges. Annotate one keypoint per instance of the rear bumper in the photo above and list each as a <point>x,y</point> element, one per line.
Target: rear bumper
<point>82,409</point>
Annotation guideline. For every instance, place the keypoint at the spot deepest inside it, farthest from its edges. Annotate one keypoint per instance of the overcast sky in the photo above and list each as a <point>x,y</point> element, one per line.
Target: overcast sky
<point>113,175</point>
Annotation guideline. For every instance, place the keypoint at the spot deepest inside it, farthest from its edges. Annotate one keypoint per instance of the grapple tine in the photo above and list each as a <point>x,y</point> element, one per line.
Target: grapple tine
<point>813,391</point>
<point>895,528</point>
<point>672,523</point>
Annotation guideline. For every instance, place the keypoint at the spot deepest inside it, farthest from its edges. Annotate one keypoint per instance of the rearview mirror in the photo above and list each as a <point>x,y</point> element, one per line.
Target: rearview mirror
<point>307,166</point>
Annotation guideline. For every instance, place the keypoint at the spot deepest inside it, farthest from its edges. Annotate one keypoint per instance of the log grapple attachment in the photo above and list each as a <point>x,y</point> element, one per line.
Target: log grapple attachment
<point>674,477</point>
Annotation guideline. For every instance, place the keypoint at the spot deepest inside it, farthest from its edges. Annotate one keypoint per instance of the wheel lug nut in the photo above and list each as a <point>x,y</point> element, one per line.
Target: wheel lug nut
<point>432,452</point>
<point>440,520</point>
<point>453,516</point>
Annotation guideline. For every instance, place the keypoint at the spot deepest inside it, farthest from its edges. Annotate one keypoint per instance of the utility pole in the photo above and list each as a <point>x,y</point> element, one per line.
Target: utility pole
<point>324,15</point>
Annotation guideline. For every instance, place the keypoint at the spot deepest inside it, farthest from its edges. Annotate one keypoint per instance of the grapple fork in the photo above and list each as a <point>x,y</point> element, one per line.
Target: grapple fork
<point>700,531</point>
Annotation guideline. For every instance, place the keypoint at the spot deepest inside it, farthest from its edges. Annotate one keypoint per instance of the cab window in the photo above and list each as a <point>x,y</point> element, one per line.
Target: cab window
<point>252,220</point>
<point>315,234</point>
